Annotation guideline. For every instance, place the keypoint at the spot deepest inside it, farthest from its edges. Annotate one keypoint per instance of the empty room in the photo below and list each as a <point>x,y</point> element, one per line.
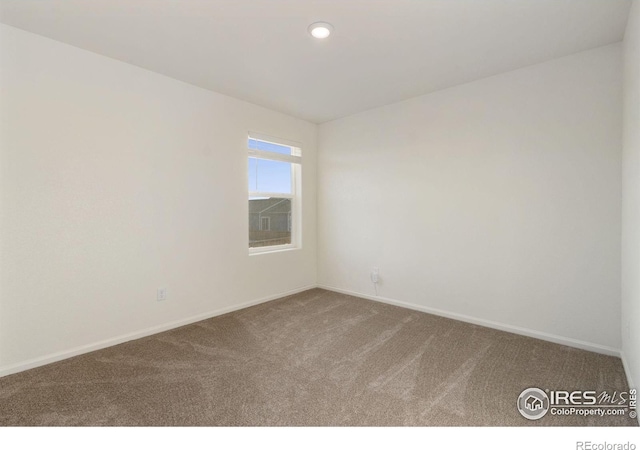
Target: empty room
<point>336,213</point>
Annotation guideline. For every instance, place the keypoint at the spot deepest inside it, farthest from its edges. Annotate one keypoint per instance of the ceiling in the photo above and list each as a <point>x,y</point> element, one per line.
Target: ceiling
<point>381,51</point>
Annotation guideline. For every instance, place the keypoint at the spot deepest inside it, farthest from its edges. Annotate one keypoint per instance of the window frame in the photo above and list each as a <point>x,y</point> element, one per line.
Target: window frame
<point>295,159</point>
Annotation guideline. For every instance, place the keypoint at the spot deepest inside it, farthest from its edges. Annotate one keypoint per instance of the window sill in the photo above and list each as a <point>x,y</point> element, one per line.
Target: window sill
<point>272,249</point>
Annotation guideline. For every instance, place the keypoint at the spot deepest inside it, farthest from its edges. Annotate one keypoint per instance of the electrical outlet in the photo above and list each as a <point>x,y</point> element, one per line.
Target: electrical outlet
<point>162,294</point>
<point>374,275</point>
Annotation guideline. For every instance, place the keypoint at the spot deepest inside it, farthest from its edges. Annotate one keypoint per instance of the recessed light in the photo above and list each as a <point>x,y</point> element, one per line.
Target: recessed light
<point>320,30</point>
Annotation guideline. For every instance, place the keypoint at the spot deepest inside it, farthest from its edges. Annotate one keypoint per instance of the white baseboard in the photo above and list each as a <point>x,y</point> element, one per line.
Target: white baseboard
<point>486,323</point>
<point>626,370</point>
<point>59,356</point>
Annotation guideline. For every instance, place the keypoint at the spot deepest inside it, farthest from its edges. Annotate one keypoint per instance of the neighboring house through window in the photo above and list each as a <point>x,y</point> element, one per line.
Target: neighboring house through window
<point>274,172</point>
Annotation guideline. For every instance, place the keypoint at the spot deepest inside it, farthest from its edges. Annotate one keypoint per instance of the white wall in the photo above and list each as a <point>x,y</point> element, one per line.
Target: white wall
<point>498,200</point>
<point>631,199</point>
<point>116,181</point>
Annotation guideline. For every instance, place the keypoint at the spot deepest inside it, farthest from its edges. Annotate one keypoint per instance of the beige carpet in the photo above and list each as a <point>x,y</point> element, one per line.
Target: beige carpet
<point>315,358</point>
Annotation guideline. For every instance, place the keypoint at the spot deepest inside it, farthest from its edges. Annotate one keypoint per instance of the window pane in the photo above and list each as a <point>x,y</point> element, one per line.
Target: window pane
<point>269,176</point>
<point>269,147</point>
<point>269,221</point>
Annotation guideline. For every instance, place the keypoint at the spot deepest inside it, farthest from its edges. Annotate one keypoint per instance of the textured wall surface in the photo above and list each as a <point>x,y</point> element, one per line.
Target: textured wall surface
<point>631,198</point>
<point>116,181</point>
<point>498,200</point>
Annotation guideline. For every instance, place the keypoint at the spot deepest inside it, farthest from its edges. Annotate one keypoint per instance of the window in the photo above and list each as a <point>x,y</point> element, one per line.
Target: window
<point>274,171</point>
